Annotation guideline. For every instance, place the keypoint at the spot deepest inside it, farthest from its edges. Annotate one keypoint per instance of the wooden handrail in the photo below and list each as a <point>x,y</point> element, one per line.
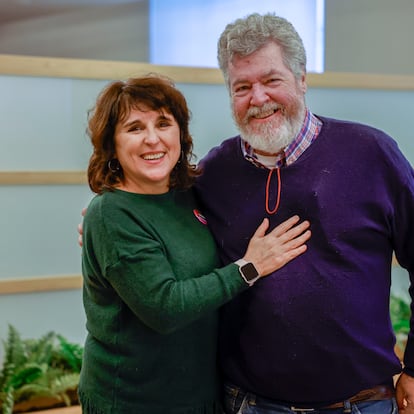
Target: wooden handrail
<point>42,177</point>
<point>105,69</point>
<point>40,284</point>
<point>101,69</point>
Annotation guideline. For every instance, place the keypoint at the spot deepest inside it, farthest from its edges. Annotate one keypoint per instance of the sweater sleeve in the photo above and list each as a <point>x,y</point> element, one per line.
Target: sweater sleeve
<point>129,260</point>
<point>151,290</point>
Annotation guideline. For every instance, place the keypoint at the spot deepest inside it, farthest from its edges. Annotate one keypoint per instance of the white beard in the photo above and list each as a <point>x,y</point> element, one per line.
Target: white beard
<point>270,138</point>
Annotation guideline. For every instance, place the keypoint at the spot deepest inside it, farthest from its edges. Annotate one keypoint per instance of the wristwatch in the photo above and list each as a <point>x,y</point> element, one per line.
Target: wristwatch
<point>247,271</point>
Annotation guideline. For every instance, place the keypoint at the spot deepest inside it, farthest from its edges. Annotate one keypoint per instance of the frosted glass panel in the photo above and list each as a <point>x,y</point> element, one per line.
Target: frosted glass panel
<point>185,32</point>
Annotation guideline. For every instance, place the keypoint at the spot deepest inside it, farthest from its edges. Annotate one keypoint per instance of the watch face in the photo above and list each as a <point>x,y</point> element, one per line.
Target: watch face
<point>249,272</point>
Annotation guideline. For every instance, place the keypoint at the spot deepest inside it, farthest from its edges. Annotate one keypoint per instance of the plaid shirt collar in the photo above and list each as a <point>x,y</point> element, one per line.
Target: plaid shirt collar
<point>309,132</point>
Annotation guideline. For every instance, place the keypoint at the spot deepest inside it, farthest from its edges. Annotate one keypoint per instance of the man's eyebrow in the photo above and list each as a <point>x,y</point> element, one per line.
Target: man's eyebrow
<point>265,75</point>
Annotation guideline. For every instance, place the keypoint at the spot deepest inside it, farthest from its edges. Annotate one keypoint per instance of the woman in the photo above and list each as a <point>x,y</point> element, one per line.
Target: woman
<point>152,285</point>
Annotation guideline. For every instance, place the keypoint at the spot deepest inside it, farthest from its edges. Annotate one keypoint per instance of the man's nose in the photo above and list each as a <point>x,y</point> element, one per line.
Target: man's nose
<point>259,95</point>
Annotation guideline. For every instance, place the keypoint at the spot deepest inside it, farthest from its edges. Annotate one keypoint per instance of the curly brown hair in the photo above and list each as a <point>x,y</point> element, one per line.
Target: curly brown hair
<point>114,105</point>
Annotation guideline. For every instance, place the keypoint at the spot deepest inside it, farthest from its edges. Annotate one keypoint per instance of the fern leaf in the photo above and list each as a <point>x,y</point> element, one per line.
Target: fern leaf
<point>41,350</point>
<point>8,401</point>
<point>70,354</point>
<point>26,374</point>
<point>64,382</point>
<point>14,347</point>
<point>14,355</point>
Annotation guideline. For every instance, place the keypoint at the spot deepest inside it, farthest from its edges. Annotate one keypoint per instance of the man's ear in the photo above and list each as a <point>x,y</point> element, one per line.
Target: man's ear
<point>302,83</point>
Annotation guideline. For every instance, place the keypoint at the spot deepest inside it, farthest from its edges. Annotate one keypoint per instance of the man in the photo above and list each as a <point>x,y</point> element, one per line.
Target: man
<point>316,336</point>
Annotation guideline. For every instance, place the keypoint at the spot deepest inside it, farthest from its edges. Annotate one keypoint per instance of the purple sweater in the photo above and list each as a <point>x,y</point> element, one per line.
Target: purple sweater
<point>318,330</point>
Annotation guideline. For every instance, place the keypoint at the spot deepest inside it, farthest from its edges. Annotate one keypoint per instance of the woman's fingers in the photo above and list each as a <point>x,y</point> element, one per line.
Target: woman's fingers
<point>261,230</point>
<point>297,239</point>
<point>282,228</point>
<point>287,230</point>
<point>295,246</point>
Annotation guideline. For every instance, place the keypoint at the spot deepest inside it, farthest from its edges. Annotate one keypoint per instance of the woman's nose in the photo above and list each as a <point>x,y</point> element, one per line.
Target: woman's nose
<point>151,137</point>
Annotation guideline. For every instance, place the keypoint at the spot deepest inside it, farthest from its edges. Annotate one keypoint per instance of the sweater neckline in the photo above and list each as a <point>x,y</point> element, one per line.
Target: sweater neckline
<point>156,197</point>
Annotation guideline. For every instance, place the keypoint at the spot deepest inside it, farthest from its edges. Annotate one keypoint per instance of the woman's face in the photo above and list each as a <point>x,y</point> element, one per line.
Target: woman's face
<point>147,145</point>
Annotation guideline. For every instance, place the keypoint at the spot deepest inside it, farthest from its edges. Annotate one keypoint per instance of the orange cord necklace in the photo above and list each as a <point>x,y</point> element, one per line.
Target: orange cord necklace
<point>279,185</point>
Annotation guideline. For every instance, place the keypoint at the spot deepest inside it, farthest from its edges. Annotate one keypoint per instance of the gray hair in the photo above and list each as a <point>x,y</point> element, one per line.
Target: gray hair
<point>247,35</point>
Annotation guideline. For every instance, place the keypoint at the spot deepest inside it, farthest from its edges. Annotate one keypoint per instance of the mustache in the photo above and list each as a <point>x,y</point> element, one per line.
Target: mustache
<point>263,110</point>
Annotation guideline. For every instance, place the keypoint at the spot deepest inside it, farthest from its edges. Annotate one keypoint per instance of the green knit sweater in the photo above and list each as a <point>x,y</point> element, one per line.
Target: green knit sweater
<point>151,294</point>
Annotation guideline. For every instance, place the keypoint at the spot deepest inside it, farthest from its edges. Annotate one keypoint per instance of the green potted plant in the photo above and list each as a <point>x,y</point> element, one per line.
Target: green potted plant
<point>39,373</point>
<point>400,318</point>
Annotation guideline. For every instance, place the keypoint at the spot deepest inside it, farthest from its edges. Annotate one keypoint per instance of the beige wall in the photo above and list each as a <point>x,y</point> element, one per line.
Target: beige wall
<point>369,36</point>
<point>107,32</point>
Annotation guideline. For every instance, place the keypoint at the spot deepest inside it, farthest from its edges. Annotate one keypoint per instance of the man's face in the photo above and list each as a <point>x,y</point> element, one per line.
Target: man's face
<point>268,102</point>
